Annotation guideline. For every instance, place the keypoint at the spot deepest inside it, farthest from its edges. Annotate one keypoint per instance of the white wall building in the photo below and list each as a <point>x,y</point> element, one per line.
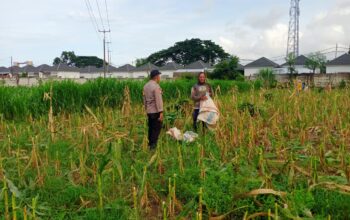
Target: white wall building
<point>169,69</point>
<point>300,66</point>
<point>123,72</point>
<point>143,71</point>
<point>65,72</point>
<point>194,68</point>
<point>254,67</point>
<point>91,72</point>
<point>339,65</point>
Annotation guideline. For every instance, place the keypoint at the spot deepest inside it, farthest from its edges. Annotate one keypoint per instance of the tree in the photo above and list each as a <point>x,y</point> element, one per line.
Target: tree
<point>188,51</point>
<point>316,61</point>
<point>140,62</point>
<point>69,58</point>
<point>83,61</point>
<point>268,77</point>
<point>227,69</point>
<point>57,61</point>
<point>290,60</point>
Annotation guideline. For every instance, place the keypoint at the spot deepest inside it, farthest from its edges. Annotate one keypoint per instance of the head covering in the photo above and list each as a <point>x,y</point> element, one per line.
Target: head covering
<point>154,73</point>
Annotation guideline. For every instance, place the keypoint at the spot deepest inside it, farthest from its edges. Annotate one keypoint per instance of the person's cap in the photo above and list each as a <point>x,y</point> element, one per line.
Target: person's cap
<point>155,73</point>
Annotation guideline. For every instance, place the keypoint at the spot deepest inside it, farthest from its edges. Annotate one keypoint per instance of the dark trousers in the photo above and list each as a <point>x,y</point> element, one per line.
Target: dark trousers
<point>195,116</point>
<point>154,127</point>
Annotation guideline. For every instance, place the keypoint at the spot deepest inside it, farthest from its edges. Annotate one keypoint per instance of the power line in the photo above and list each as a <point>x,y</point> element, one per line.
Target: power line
<point>92,17</point>
<point>99,12</point>
<point>109,26</point>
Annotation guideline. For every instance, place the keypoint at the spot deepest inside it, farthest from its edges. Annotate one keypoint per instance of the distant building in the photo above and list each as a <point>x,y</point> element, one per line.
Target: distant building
<point>300,66</point>
<point>91,72</point>
<point>4,72</point>
<point>169,69</point>
<point>123,72</point>
<point>143,71</point>
<point>30,70</point>
<point>64,71</point>
<point>44,71</point>
<point>254,67</point>
<point>194,68</point>
<point>339,65</point>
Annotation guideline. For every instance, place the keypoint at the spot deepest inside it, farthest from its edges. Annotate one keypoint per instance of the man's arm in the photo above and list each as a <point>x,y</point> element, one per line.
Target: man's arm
<point>159,99</point>
<point>144,100</point>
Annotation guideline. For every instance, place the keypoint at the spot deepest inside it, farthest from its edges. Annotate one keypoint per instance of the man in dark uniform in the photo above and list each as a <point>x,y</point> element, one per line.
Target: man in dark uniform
<point>152,97</point>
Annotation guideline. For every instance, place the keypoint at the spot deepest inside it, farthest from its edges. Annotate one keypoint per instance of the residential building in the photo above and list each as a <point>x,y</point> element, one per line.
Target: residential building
<point>123,72</point>
<point>254,67</point>
<point>143,71</point>
<point>169,69</point>
<point>339,65</point>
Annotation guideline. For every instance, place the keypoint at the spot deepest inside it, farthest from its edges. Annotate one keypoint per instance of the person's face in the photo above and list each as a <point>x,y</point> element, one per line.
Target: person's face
<point>158,78</point>
<point>201,78</point>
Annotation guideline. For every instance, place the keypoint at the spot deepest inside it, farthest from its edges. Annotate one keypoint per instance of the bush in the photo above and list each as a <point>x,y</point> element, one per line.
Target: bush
<point>268,78</point>
<point>226,69</point>
<point>342,84</point>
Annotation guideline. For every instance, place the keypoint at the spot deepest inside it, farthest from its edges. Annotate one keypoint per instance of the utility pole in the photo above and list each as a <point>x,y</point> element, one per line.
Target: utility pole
<point>108,55</point>
<point>11,66</point>
<point>336,50</point>
<point>104,51</point>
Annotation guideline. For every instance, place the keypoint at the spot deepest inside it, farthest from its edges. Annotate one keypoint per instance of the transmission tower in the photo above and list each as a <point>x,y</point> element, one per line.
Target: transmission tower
<point>293,33</point>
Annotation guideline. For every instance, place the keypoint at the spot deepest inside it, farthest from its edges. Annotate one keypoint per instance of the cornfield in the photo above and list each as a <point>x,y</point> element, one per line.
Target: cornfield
<point>275,154</point>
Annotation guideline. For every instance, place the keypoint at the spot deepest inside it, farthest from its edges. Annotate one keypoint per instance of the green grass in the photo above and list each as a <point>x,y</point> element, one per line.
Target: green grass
<point>68,96</point>
<point>294,144</point>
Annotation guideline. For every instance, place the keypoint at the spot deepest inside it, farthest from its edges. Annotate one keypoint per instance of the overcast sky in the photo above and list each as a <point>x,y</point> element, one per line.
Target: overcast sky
<point>39,30</point>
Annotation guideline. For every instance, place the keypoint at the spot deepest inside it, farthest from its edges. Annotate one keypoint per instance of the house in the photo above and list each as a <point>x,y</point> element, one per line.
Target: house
<point>44,70</point>
<point>15,70</point>
<point>254,67</point>
<point>4,72</point>
<point>91,72</point>
<point>339,65</point>
<point>64,71</point>
<point>143,71</point>
<point>169,69</point>
<point>194,68</point>
<point>299,65</point>
<point>30,70</point>
<point>124,71</point>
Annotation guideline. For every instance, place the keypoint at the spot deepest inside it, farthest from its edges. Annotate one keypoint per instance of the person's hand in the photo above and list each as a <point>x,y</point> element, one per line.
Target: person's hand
<point>160,117</point>
<point>204,98</point>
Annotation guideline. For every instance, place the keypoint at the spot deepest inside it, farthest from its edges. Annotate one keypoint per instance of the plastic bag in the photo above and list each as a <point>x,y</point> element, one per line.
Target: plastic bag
<point>188,137</point>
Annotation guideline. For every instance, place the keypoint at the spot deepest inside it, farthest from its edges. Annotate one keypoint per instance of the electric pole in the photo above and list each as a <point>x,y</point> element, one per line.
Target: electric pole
<point>336,50</point>
<point>108,55</point>
<point>104,51</point>
<point>11,67</point>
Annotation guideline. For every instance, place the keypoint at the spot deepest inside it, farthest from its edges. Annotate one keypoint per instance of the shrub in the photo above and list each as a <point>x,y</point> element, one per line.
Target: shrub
<point>268,78</point>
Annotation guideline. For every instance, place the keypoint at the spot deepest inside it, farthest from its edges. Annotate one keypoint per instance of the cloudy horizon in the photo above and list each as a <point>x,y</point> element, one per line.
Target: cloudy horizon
<point>40,30</point>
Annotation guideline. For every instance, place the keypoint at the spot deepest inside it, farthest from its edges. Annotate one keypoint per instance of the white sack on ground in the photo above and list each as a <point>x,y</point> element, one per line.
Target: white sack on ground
<point>175,133</point>
<point>188,137</point>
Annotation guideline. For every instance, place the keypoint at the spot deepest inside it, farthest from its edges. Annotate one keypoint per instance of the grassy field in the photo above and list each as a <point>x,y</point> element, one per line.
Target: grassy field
<point>77,153</point>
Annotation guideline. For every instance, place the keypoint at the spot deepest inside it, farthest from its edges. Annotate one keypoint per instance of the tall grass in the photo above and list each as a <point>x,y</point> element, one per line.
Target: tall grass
<point>68,96</point>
